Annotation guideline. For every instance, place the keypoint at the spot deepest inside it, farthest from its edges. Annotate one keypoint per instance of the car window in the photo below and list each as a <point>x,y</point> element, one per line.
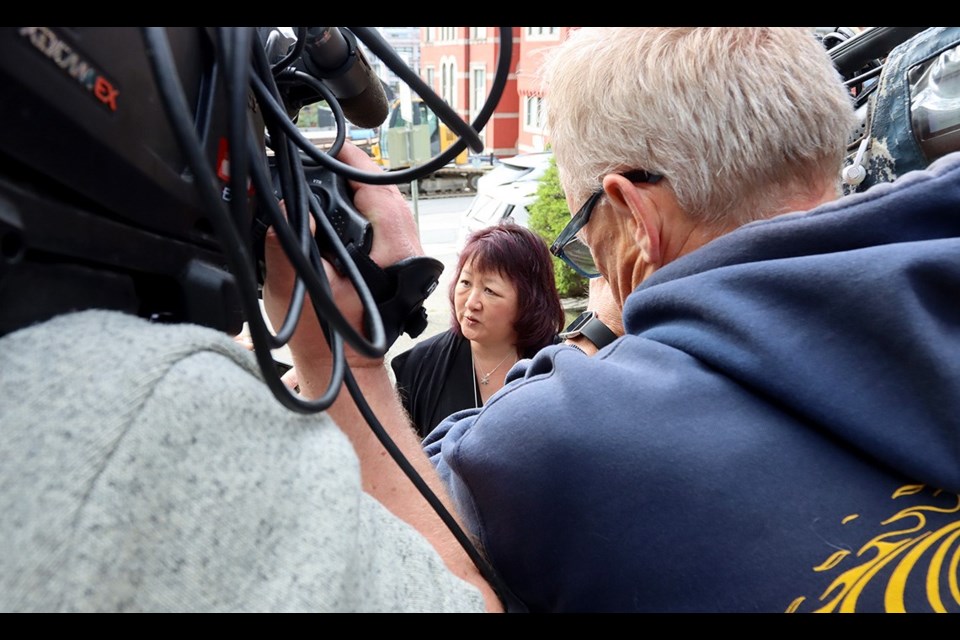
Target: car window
<point>504,173</point>
<point>486,210</point>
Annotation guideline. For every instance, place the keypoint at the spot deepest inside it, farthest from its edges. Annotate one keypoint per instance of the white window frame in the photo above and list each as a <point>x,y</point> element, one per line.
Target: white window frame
<point>478,93</point>
<point>542,33</point>
<point>448,80</point>
<point>533,114</point>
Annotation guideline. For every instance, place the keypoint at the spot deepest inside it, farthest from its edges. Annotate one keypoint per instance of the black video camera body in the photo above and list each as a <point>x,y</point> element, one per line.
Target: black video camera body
<point>102,204</point>
<point>98,208</point>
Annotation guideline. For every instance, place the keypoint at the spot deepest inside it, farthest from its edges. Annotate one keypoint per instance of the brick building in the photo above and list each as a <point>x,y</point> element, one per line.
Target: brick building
<point>460,63</point>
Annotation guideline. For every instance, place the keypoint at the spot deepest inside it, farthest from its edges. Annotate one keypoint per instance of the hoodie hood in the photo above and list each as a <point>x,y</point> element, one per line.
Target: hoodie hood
<point>847,316</point>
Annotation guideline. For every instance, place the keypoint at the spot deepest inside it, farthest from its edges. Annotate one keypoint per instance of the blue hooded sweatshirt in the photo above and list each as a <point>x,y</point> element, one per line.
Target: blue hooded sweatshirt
<point>778,430</point>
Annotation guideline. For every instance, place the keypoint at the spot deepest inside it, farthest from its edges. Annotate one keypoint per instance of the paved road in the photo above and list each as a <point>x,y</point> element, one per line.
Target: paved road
<point>439,220</point>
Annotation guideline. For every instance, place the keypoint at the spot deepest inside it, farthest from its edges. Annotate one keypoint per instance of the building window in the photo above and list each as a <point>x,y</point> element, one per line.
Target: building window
<point>533,114</point>
<point>428,34</point>
<point>478,89</point>
<point>478,33</point>
<point>430,77</point>
<point>542,33</point>
<point>478,95</point>
<point>444,81</point>
<point>448,74</point>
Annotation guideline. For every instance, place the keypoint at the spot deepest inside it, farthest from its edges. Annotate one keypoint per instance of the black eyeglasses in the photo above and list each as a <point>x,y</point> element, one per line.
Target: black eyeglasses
<point>568,246</point>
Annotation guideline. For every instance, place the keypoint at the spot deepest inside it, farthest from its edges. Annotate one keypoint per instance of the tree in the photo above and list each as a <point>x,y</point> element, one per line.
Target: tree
<point>548,216</point>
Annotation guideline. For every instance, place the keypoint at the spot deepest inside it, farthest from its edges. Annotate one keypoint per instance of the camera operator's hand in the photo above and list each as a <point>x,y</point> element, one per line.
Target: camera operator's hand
<point>395,237</point>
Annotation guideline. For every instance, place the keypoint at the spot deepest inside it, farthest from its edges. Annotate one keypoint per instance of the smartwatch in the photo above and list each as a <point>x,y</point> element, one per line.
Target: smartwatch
<point>590,327</point>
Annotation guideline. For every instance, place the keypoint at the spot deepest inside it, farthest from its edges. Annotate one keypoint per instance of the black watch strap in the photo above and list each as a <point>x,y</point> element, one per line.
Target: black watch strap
<point>592,328</point>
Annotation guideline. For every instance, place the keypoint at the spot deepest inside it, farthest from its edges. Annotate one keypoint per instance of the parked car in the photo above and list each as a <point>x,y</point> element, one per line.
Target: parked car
<point>505,192</point>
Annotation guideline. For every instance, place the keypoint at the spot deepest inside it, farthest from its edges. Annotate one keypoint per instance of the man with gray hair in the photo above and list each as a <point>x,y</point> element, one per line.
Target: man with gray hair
<point>758,411</point>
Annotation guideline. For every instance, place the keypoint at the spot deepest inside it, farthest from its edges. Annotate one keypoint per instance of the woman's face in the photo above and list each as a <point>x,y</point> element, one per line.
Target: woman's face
<point>485,303</point>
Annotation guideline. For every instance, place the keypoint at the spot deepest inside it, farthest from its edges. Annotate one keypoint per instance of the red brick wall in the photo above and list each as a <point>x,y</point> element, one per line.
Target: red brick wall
<point>505,132</point>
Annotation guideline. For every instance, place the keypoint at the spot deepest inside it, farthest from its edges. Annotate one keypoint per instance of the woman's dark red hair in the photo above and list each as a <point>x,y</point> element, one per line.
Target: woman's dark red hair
<point>521,256</point>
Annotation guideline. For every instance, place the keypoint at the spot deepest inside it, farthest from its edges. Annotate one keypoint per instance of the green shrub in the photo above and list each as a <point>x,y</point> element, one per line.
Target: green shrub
<point>548,216</point>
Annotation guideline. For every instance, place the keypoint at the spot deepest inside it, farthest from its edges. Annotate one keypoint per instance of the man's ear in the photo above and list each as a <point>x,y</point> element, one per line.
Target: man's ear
<point>635,201</point>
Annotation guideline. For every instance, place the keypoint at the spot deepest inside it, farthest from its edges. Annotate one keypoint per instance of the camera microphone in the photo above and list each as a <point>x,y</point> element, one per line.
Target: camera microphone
<point>332,54</point>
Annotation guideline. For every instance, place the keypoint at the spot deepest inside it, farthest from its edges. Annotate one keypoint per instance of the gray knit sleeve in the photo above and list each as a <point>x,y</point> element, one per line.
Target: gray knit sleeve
<point>158,473</point>
<point>232,502</point>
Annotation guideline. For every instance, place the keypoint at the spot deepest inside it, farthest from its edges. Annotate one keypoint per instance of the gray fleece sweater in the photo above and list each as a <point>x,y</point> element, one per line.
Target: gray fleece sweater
<point>148,468</point>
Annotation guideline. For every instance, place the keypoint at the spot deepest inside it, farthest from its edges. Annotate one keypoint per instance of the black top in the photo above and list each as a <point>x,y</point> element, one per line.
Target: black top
<point>435,379</point>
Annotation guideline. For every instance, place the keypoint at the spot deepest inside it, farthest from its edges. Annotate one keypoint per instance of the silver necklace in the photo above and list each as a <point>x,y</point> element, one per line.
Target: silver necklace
<point>485,377</point>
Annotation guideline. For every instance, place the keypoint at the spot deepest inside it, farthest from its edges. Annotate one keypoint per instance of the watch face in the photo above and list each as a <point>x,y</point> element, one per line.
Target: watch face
<point>574,328</point>
<point>580,321</point>
<point>590,327</point>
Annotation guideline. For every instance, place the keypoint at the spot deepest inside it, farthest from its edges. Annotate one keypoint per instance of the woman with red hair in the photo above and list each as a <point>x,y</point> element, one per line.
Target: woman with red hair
<point>504,306</point>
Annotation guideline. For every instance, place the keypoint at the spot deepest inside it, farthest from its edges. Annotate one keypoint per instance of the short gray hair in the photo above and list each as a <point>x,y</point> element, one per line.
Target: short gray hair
<point>737,118</point>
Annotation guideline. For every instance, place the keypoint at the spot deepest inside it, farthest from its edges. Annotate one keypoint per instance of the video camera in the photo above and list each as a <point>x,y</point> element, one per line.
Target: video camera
<point>141,167</point>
